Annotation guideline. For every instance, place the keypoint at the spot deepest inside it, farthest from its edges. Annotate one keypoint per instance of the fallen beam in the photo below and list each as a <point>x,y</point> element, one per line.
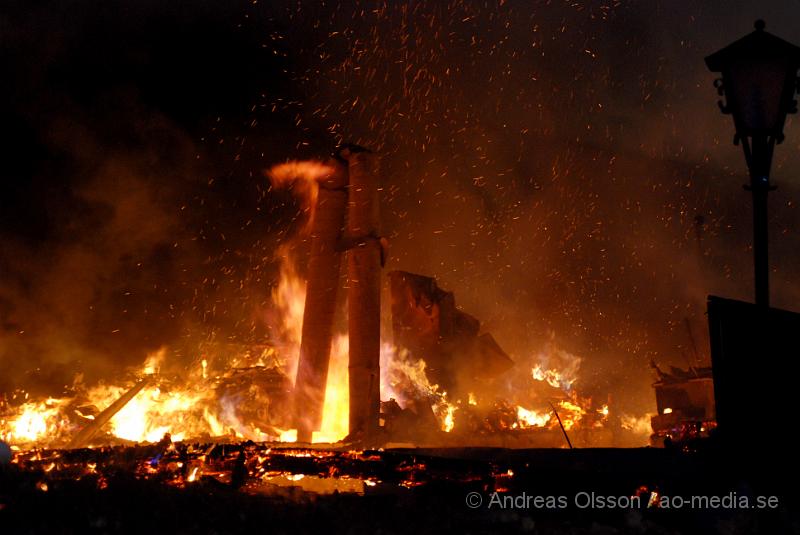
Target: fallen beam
<point>87,433</point>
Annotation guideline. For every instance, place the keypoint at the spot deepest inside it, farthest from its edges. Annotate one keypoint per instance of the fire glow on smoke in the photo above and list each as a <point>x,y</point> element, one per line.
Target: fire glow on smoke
<point>195,409</point>
<point>196,406</point>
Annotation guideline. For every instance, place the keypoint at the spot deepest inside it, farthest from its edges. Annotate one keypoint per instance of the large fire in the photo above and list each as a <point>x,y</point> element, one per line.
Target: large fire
<point>194,408</point>
<point>244,396</point>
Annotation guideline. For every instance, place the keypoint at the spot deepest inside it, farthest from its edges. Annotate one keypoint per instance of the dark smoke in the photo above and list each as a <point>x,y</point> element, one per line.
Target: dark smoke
<point>126,223</point>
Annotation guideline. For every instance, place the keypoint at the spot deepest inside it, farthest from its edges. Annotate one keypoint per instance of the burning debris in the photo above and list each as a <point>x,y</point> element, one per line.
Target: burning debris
<point>685,402</point>
<point>236,393</point>
<point>326,223</point>
<point>529,154</point>
<point>427,323</point>
<point>348,181</point>
<point>91,429</point>
<point>440,378</point>
<point>442,381</point>
<point>255,468</point>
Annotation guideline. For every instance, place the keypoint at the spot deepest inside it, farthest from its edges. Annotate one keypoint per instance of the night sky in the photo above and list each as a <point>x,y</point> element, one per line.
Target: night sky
<point>562,166</point>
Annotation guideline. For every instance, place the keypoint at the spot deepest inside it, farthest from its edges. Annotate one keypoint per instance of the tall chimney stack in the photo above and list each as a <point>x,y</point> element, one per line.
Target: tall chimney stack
<point>323,281</point>
<point>364,291</point>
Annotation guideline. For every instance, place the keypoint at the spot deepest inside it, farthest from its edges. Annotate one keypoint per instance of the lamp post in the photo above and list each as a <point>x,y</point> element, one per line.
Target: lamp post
<point>759,81</point>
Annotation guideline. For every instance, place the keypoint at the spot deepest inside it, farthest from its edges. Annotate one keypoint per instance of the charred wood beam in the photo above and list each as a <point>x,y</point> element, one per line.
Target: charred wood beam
<point>320,306</point>
<point>87,433</point>
<point>364,292</point>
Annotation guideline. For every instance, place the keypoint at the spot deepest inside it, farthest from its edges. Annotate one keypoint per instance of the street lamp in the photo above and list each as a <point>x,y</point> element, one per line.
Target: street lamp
<point>759,81</point>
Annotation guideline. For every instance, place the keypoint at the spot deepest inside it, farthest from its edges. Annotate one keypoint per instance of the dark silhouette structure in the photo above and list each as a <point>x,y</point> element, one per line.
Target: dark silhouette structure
<point>759,81</point>
<point>754,355</point>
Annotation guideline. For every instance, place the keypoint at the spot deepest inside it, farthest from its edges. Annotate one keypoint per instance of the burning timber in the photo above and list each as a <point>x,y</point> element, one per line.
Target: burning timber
<point>320,303</point>
<point>88,432</point>
<point>200,487</point>
<point>258,468</point>
<point>350,181</point>
<point>253,402</point>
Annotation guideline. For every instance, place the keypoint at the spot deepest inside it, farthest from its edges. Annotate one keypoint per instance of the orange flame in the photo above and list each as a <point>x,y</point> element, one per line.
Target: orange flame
<point>303,177</point>
<point>195,408</point>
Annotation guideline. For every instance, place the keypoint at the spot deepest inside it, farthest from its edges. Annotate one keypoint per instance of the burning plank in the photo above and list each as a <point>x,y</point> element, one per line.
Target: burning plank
<point>87,433</point>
